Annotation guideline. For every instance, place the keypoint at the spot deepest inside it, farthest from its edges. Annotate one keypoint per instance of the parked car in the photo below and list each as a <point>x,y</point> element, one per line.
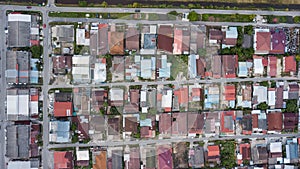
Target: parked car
<point>29,7</point>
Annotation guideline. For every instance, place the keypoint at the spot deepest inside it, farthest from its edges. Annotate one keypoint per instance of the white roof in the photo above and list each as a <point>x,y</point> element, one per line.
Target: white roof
<point>18,165</point>
<point>80,37</point>
<point>276,147</point>
<point>34,107</point>
<point>167,99</point>
<point>80,70</point>
<point>261,93</point>
<point>143,96</point>
<point>258,66</point>
<point>231,32</point>
<point>153,29</point>
<point>100,72</point>
<point>18,105</point>
<point>80,60</point>
<point>116,94</point>
<point>82,155</point>
<point>34,31</point>
<point>271,98</point>
<point>19,17</point>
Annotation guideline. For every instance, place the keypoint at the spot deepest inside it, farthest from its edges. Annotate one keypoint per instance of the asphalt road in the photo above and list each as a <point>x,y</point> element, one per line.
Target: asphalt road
<point>222,80</point>
<point>3,90</point>
<point>172,140</point>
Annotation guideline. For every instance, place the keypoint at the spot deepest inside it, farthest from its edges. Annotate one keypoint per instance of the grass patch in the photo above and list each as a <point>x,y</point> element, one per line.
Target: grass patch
<point>178,65</point>
<point>227,18</point>
<point>91,15</point>
<point>278,19</point>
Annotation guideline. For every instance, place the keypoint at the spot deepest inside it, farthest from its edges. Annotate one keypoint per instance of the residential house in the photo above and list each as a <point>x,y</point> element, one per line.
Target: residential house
<point>118,68</point>
<point>82,126</point>
<point>165,124</point>
<point>259,64</point>
<point>274,122</point>
<point>217,66</point>
<point>99,159</point>
<point>197,38</point>
<point>59,131</point>
<point>116,43</point>
<point>98,71</point>
<point>148,39</point>
<point>61,64</point>
<point>244,69</point>
<point>99,97</point>
<point>81,100</point>
<point>82,37</point>
<point>164,67</point>
<point>293,91</point>
<point>164,157</point>
<point>292,153</point>
<point>132,39</point>
<point>147,68</point>
<point>166,100</point>
<point>147,127</point>
<point>179,124</point>
<point>271,97</point>
<point>230,35</point>
<point>215,36</point>
<point>213,154</point>
<point>132,159</point>
<point>244,153</point>
<point>181,43</point>
<point>227,123</point>
<point>212,124</point>
<point>82,157</point>
<point>262,41</point>
<point>290,121</point>
<point>117,159</point>
<point>114,126</point>
<point>103,37</point>
<point>212,97</point>
<point>196,157</point>
<point>247,124</point>
<point>278,41</point>
<point>289,65</point>
<point>279,97</point>
<point>229,95</point>
<point>229,65</point>
<point>272,66</point>
<point>196,123</point>
<point>259,154</point>
<point>259,121</point>
<point>196,66</point>
<point>130,126</point>
<point>63,109</point>
<point>133,105</point>
<point>81,69</point>
<point>165,38</point>
<point>116,96</point>
<point>260,94</point>
<point>244,96</point>
<point>63,159</point>
<point>180,99</point>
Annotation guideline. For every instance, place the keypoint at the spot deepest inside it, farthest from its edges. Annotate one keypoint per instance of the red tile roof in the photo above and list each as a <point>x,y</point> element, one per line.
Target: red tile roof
<point>274,121</point>
<point>182,95</point>
<point>177,41</point>
<point>165,160</point>
<point>200,64</point>
<point>63,109</point>
<point>263,41</point>
<point>213,151</point>
<point>134,162</point>
<point>254,120</point>
<point>216,66</point>
<point>229,92</point>
<point>165,123</point>
<point>116,43</point>
<point>100,161</point>
<point>63,160</point>
<point>145,132</point>
<point>273,66</point>
<point>134,96</point>
<point>165,38</point>
<point>195,122</point>
<point>179,123</point>
<point>229,64</point>
<point>223,127</point>
<point>132,39</point>
<point>289,64</point>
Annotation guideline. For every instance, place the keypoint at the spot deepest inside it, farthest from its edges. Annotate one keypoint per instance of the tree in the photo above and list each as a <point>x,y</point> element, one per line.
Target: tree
<point>298,58</point>
<point>291,106</point>
<point>135,5</point>
<point>263,106</point>
<point>193,16</point>
<point>36,51</point>
<point>173,13</point>
<point>83,3</point>
<point>104,4</point>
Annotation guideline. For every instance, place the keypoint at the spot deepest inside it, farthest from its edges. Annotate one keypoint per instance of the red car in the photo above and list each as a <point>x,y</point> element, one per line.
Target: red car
<point>44,25</point>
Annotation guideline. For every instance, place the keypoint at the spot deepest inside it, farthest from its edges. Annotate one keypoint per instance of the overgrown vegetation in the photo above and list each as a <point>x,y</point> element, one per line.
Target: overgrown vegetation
<point>193,16</point>
<point>291,106</point>
<point>36,51</point>
<point>227,17</point>
<point>262,106</point>
<point>228,158</point>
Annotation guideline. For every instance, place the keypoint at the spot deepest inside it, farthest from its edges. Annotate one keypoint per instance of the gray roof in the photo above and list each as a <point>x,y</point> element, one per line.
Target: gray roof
<point>149,41</point>
<point>23,141</point>
<point>197,160</point>
<point>18,141</point>
<point>65,33</point>
<point>20,58</point>
<point>19,34</point>
<point>228,122</point>
<point>117,159</point>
